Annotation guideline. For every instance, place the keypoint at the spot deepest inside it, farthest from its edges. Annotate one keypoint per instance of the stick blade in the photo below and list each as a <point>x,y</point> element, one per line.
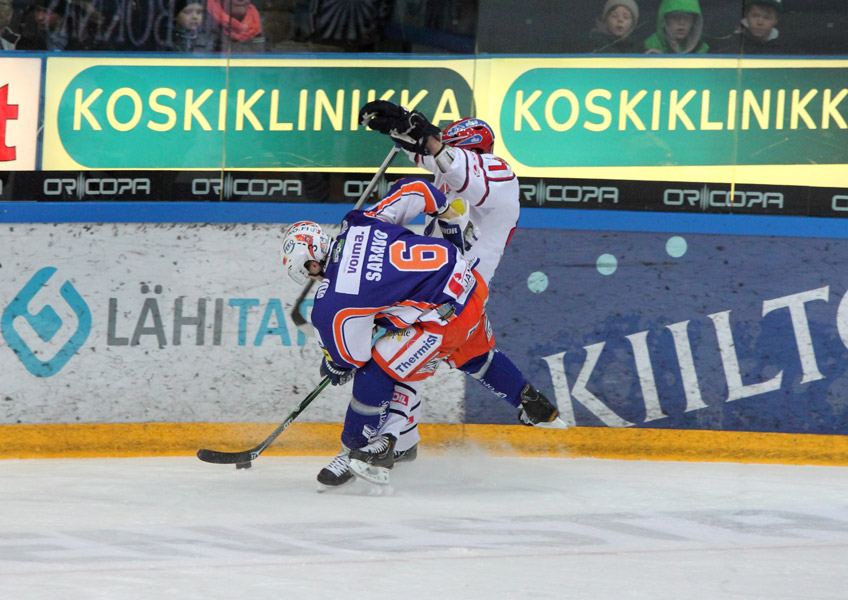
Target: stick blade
<point>224,458</point>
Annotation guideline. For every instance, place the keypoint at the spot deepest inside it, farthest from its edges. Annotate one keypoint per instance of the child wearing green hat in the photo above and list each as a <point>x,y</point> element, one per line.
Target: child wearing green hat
<point>680,29</point>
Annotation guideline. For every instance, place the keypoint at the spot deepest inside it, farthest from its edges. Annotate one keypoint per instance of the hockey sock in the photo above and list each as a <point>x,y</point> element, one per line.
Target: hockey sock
<point>498,374</point>
<point>402,421</point>
<point>372,392</point>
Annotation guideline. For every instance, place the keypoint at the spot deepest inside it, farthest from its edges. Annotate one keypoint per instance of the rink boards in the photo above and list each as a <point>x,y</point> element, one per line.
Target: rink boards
<point>704,337</point>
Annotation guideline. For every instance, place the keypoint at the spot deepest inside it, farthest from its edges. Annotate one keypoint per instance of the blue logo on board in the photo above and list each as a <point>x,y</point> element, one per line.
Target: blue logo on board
<point>46,323</point>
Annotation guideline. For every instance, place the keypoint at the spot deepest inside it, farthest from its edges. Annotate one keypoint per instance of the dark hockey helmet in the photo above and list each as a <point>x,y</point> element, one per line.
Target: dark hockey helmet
<point>471,134</point>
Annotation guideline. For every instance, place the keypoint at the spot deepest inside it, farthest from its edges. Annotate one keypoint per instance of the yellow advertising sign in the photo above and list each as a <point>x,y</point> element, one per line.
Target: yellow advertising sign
<point>713,120</point>
<point>657,118</point>
<point>271,114</point>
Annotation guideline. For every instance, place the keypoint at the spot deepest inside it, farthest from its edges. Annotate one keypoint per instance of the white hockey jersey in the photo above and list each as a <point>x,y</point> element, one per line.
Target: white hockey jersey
<point>489,186</point>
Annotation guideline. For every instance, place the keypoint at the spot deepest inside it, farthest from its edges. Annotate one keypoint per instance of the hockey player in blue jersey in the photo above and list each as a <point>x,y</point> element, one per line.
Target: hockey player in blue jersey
<point>465,169</point>
<point>421,290</point>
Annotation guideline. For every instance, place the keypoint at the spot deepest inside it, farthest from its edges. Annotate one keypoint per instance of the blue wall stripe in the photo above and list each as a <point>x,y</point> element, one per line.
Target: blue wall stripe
<point>532,218</point>
<point>606,220</point>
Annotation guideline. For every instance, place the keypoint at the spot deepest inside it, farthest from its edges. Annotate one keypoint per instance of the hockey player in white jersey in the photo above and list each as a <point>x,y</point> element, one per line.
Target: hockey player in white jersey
<point>464,167</point>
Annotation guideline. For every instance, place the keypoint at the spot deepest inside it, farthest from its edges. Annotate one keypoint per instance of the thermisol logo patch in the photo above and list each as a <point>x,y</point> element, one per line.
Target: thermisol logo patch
<point>46,323</point>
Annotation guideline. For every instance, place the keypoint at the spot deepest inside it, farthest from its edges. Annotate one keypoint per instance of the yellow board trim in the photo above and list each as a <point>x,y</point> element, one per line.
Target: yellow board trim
<point>309,439</point>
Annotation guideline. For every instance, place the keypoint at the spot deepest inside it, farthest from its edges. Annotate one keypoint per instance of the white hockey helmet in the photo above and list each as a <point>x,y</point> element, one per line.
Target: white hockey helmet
<point>302,242</point>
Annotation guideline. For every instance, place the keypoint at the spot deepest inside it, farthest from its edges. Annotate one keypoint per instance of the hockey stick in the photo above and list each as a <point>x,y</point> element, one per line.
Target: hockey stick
<point>242,459</point>
<point>296,316</point>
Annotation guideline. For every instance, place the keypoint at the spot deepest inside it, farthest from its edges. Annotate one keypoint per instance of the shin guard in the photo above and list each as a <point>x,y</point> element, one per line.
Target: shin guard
<point>366,414</point>
<point>498,374</point>
<point>402,420</point>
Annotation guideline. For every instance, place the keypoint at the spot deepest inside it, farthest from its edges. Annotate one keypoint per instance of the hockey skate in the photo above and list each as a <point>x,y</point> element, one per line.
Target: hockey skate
<point>373,461</point>
<point>535,408</point>
<point>407,455</point>
<point>337,472</point>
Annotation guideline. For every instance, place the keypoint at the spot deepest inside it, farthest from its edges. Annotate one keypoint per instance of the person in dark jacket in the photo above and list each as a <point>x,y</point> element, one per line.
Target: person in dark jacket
<point>8,37</point>
<point>56,25</point>
<point>43,26</point>
<point>189,33</point>
<point>757,32</point>
<point>613,30</point>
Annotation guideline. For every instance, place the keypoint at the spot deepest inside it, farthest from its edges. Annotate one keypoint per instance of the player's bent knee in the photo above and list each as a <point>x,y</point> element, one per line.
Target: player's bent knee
<point>477,366</point>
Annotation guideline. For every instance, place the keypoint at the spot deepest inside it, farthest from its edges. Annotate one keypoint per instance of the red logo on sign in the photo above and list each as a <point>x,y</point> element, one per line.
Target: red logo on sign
<point>7,112</point>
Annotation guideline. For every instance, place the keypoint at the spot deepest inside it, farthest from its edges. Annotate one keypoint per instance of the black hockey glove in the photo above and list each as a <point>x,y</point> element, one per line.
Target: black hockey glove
<point>380,115</point>
<point>408,129</point>
<point>412,130</point>
<point>338,375</point>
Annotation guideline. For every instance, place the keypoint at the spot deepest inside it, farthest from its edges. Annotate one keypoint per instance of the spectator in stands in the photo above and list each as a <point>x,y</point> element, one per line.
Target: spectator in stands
<point>43,26</point>
<point>189,33</point>
<point>8,38</point>
<point>680,29</point>
<point>61,25</point>
<point>757,32</point>
<point>236,26</point>
<point>613,30</point>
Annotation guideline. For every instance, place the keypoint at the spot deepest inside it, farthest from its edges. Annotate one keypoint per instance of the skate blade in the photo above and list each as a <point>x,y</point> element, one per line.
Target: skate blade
<point>321,488</point>
<point>378,475</point>
<point>555,424</point>
<point>355,487</point>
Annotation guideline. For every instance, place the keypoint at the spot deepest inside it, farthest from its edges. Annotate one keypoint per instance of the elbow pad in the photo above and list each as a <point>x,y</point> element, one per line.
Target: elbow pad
<point>444,158</point>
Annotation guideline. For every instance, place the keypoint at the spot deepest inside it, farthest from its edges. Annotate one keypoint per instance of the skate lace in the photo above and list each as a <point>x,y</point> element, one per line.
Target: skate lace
<point>340,464</point>
<point>377,446</point>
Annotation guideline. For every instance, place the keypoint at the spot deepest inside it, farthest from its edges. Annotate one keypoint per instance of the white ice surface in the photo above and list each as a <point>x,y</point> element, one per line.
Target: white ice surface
<point>462,526</point>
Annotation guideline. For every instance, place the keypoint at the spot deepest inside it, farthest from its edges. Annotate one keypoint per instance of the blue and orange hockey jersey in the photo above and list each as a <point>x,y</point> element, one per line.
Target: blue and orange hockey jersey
<point>380,273</point>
